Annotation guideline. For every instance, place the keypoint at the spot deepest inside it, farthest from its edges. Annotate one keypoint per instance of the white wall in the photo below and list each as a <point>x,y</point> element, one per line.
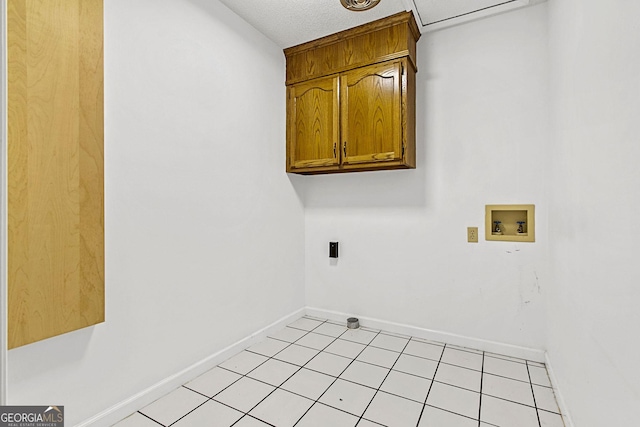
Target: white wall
<point>482,125</point>
<point>594,321</point>
<point>204,231</point>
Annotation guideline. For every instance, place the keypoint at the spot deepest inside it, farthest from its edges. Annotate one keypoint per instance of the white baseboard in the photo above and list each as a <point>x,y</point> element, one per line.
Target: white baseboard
<point>128,406</point>
<point>449,338</point>
<point>568,422</point>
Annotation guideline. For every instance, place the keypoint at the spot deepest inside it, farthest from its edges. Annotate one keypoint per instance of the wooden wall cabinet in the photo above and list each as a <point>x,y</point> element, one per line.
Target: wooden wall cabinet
<point>351,99</point>
<point>55,162</point>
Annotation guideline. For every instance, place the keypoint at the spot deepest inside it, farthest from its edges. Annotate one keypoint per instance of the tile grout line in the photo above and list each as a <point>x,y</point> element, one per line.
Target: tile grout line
<point>255,418</point>
<point>385,377</point>
<point>144,415</point>
<point>338,377</point>
<point>188,413</point>
<point>354,382</point>
<point>480,402</point>
<point>320,372</point>
<point>408,354</point>
<point>278,387</point>
<point>334,339</point>
<point>289,344</point>
<point>431,385</point>
<point>534,395</point>
<point>349,381</point>
<point>301,367</point>
<point>195,391</point>
<point>510,378</point>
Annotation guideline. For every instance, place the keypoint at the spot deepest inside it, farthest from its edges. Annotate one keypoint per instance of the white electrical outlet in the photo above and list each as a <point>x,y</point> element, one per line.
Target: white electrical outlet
<point>472,234</point>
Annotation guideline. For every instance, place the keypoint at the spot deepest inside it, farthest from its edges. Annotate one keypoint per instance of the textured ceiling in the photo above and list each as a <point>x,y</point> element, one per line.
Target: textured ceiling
<point>291,22</point>
<point>436,14</point>
<point>433,11</point>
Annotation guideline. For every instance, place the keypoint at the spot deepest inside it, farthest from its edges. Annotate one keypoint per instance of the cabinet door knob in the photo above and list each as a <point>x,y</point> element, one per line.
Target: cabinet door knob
<point>334,149</point>
<point>344,148</point>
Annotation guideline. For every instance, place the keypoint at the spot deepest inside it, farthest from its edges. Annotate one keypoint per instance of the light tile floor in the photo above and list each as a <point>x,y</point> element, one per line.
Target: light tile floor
<point>316,373</point>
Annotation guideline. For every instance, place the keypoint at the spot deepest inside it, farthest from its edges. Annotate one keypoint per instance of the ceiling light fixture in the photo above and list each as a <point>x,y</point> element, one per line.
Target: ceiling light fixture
<point>359,5</point>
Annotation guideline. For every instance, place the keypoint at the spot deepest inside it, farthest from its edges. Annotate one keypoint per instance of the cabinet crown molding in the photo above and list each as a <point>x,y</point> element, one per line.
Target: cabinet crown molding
<point>382,40</point>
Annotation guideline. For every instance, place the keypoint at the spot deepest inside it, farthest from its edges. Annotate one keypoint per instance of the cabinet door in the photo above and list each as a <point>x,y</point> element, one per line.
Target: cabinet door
<point>371,100</point>
<point>55,168</point>
<point>313,128</point>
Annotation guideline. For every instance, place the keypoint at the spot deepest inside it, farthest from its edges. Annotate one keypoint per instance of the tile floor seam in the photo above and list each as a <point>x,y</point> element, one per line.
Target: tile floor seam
<point>188,413</point>
<point>228,406</point>
<point>385,378</point>
<point>157,422</point>
<point>288,378</point>
<point>336,379</point>
<point>431,385</point>
<point>391,334</point>
<point>334,361</point>
<point>459,366</point>
<point>379,366</point>
<point>275,387</point>
<point>278,339</point>
<point>454,385</point>
<point>307,330</point>
<point>507,358</point>
<point>510,378</point>
<point>460,415</point>
<point>278,387</point>
<point>533,394</point>
<point>333,382</point>
<point>321,323</point>
<point>541,385</point>
<point>247,412</point>
<point>256,405</point>
<point>237,379</point>
<point>509,400</point>
<point>196,391</point>
<point>320,372</point>
<point>466,350</point>
<point>481,381</point>
<point>332,407</point>
<point>357,383</point>
<point>251,416</point>
<point>467,389</point>
<point>300,329</point>
<point>311,348</point>
<point>383,348</point>
<point>551,412</point>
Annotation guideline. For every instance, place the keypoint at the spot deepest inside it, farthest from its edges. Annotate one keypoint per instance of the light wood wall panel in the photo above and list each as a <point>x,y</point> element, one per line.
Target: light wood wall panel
<point>55,167</point>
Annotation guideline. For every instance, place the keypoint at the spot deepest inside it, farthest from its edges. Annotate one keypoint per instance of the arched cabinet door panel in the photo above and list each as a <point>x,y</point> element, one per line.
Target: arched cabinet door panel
<point>371,103</point>
<point>313,130</point>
